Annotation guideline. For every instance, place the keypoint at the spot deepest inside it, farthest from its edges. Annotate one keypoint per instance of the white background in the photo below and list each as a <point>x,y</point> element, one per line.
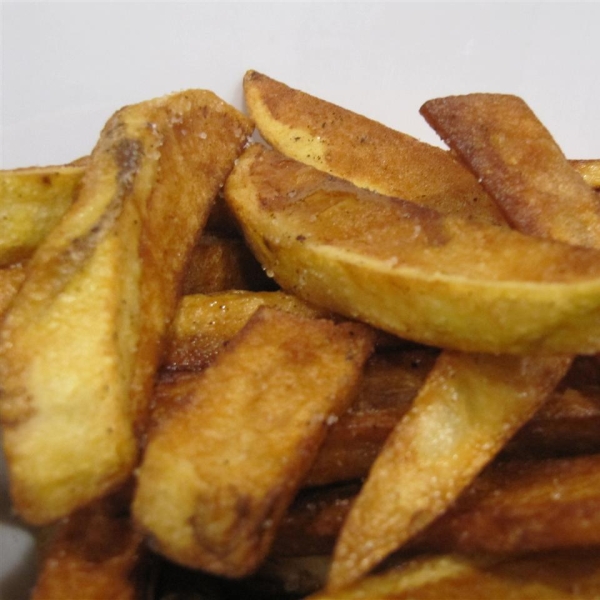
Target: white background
<point>67,66</point>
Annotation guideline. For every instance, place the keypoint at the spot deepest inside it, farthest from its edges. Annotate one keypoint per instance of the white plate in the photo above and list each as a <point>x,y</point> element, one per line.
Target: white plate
<point>66,67</point>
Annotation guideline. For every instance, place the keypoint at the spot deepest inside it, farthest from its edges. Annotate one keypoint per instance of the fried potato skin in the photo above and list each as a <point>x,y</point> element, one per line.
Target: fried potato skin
<point>409,270</point>
<point>219,472</point>
<point>371,155</point>
<point>81,342</point>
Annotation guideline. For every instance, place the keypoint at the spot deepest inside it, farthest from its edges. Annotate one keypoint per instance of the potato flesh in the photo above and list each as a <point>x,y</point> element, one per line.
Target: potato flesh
<point>82,339</point>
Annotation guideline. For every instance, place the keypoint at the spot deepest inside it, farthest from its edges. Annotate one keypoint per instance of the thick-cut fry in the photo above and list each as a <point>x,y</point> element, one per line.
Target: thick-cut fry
<point>32,202</point>
<point>462,417</point>
<point>518,162</point>
<point>82,339</point>
<point>514,506</point>
<point>524,385</point>
<point>550,576</point>
<point>219,264</point>
<point>95,554</point>
<point>567,424</point>
<point>411,271</point>
<point>369,154</point>
<point>205,322</point>
<point>219,472</point>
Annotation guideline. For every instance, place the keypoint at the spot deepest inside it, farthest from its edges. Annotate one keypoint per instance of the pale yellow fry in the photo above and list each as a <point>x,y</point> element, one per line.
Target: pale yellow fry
<point>81,340</point>
<point>467,409</point>
<point>32,201</point>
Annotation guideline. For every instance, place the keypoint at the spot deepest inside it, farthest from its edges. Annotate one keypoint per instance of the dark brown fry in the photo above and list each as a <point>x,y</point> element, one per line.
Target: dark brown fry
<point>501,140</point>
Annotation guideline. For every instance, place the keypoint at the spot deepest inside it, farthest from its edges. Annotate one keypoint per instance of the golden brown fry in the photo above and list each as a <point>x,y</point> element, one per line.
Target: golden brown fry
<point>514,506</point>
<point>220,471</point>
<point>500,139</point>
<point>205,322</point>
<point>218,264</point>
<point>32,201</point>
<point>391,381</point>
<point>436,450</point>
<point>411,271</point>
<point>369,154</point>
<point>95,554</point>
<point>567,424</point>
<point>549,576</point>
<point>82,339</point>
<point>523,506</point>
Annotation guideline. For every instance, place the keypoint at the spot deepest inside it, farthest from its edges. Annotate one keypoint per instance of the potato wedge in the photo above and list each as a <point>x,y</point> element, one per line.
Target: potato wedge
<point>567,424</point>
<point>219,472</point>
<point>460,382</point>
<point>501,140</point>
<point>32,202</point>
<point>82,340</point>
<point>408,270</point>
<point>550,576</point>
<point>368,153</point>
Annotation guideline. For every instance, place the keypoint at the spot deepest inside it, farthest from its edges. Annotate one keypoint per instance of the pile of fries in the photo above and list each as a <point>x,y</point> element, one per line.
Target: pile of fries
<point>338,363</point>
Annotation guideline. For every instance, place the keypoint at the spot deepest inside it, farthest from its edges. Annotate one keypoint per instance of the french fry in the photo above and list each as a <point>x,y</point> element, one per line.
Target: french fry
<point>408,270</point>
<point>514,506</point>
<point>499,393</point>
<point>219,264</point>
<point>505,145</point>
<point>548,576</point>
<point>82,339</point>
<point>275,110</point>
<point>95,554</point>
<point>218,473</point>
<point>567,424</point>
<point>205,322</point>
<point>32,202</point>
<point>353,147</point>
